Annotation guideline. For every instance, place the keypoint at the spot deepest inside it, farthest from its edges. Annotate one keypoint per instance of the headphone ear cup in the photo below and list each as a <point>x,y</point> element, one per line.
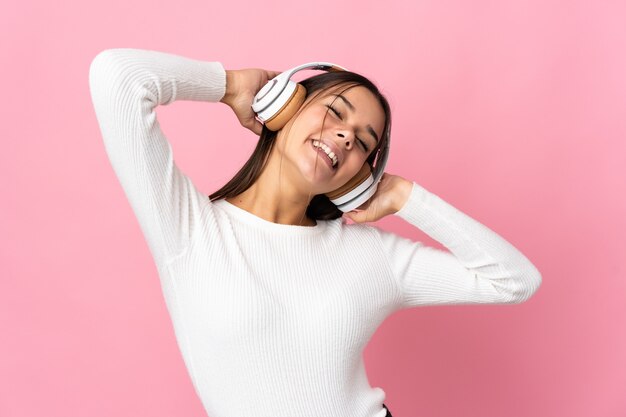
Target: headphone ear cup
<point>364,173</point>
<point>289,109</point>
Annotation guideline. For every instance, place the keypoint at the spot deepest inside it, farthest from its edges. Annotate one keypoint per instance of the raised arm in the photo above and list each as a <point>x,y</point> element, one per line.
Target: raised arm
<point>481,266</point>
<point>126,86</point>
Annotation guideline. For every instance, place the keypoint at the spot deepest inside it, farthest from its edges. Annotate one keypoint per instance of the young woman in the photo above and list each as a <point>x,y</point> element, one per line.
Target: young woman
<point>273,295</point>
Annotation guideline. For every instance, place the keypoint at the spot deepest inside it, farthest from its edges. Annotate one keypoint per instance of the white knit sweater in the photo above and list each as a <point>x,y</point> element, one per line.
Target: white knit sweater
<point>272,319</point>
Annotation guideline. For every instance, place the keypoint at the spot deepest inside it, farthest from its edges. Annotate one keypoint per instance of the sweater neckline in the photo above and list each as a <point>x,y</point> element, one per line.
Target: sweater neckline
<point>259,222</point>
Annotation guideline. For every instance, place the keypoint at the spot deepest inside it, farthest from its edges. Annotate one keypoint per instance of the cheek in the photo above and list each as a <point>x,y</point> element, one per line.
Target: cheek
<point>310,120</point>
<point>352,166</point>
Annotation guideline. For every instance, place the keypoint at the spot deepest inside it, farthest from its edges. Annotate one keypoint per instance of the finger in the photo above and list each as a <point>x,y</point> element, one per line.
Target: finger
<point>272,74</point>
<point>257,128</point>
<point>357,216</point>
<point>249,122</point>
<point>349,215</point>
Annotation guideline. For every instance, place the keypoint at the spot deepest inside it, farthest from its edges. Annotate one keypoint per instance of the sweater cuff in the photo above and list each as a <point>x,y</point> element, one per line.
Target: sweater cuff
<point>207,82</point>
<point>413,210</point>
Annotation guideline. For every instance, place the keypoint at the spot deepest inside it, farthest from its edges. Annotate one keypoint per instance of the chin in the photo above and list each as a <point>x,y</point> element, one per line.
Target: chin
<point>316,183</point>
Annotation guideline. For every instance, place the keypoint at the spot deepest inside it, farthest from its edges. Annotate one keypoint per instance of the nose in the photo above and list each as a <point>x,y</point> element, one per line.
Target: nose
<point>347,141</point>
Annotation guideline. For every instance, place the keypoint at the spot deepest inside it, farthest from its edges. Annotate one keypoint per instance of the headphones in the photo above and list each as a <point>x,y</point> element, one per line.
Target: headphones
<point>279,100</point>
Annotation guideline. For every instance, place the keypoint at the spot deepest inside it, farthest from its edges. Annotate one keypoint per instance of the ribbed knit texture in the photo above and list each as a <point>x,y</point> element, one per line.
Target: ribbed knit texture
<point>272,319</point>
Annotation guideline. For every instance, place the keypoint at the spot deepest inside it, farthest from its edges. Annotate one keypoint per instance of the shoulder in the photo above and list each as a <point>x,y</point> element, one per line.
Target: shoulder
<point>363,231</point>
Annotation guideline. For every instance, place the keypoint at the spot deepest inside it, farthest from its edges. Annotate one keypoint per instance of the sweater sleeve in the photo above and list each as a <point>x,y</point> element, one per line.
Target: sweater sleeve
<point>481,266</point>
<point>126,86</point>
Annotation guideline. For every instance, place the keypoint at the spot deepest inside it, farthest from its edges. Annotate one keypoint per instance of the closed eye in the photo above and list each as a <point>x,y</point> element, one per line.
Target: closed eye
<point>363,144</point>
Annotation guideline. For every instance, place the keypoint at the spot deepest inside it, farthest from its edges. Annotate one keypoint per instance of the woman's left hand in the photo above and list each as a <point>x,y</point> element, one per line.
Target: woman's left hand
<point>390,196</point>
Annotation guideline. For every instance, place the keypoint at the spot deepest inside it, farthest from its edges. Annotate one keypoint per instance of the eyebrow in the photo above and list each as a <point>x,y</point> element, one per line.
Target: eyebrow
<point>351,107</point>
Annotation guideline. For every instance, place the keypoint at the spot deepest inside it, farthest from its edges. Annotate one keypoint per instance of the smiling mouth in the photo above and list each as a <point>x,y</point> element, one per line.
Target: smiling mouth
<point>324,156</point>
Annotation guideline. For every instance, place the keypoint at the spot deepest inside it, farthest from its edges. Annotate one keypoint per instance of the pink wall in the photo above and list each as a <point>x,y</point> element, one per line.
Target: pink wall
<point>511,111</point>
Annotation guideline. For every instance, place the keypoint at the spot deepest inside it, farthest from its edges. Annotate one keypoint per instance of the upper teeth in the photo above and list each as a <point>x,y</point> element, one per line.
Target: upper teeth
<point>326,149</point>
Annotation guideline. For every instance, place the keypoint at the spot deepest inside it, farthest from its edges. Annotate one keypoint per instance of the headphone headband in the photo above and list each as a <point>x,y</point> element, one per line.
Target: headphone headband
<point>274,87</point>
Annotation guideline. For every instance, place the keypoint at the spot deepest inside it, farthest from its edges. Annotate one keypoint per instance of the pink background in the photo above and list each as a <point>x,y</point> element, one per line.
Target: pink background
<point>512,111</point>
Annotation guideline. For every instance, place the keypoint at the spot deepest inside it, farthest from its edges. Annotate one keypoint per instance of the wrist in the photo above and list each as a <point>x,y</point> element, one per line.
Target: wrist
<point>230,87</point>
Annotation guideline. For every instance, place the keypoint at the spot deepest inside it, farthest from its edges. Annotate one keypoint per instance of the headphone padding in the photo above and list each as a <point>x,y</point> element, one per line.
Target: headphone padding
<point>361,176</point>
<point>282,116</point>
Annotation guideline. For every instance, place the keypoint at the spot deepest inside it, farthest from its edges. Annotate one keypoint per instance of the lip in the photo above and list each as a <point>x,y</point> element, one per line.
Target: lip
<point>333,148</point>
<point>323,156</point>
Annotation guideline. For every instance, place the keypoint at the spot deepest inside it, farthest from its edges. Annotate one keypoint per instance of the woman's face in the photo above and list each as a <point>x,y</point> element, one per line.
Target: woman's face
<point>352,128</point>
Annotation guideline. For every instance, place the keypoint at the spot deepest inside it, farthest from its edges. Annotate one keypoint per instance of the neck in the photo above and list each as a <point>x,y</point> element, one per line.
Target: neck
<point>275,198</point>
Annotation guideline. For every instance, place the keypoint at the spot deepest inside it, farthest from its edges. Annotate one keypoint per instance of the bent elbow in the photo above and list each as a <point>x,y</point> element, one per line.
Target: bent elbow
<point>530,282</point>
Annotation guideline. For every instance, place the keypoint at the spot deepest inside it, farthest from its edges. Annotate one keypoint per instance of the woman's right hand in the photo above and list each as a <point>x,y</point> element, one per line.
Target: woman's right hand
<point>241,87</point>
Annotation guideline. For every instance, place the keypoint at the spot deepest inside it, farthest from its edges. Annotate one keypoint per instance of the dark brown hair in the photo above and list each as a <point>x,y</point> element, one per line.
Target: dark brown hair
<point>320,207</point>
